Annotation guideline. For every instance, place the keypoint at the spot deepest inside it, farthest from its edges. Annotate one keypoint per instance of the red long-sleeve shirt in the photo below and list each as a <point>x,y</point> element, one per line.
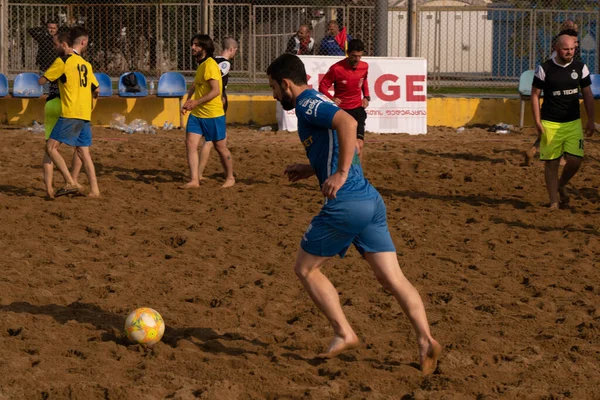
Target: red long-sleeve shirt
<point>350,83</point>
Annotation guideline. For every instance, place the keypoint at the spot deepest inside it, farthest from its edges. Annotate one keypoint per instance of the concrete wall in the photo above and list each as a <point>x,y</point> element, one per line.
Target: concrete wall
<point>260,110</point>
<point>243,109</point>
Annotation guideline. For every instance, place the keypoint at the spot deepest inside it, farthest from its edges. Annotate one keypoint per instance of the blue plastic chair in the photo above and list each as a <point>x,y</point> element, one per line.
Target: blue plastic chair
<point>105,84</point>
<point>141,80</point>
<point>595,85</point>
<point>3,85</point>
<point>26,85</point>
<point>171,84</point>
<point>525,82</point>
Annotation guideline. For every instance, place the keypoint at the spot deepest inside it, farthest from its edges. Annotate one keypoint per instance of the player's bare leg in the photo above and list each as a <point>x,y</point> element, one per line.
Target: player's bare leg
<point>204,156</point>
<point>572,165</point>
<point>225,155</point>
<point>53,153</point>
<point>388,273</point>
<point>530,154</point>
<point>326,298</point>
<point>48,170</point>
<point>551,176</point>
<point>192,141</point>
<point>360,144</point>
<point>76,169</point>
<point>90,170</point>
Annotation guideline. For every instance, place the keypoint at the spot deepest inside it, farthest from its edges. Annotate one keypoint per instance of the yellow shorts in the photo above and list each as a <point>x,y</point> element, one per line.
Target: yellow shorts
<point>561,137</point>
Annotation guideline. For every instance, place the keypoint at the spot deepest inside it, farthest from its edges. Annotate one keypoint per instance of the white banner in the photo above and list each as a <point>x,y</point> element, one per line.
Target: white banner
<point>398,89</point>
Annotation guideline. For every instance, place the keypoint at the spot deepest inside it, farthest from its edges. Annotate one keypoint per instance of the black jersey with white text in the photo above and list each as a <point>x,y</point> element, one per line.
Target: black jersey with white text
<point>562,85</point>
<point>224,67</point>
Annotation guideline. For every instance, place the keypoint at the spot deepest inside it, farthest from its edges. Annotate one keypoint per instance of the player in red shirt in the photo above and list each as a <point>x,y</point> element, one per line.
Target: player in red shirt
<point>351,90</point>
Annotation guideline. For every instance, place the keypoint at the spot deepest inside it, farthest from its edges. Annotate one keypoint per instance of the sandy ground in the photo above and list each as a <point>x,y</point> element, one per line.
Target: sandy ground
<point>511,288</point>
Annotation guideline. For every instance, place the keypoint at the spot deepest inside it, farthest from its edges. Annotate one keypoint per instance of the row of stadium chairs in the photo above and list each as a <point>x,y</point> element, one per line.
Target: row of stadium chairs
<point>526,80</point>
<point>170,84</point>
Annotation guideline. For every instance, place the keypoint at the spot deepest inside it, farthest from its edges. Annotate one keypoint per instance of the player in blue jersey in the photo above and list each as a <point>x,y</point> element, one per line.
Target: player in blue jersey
<point>353,213</point>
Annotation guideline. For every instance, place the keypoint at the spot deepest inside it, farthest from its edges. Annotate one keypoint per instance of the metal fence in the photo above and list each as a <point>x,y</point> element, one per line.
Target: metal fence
<point>487,45</point>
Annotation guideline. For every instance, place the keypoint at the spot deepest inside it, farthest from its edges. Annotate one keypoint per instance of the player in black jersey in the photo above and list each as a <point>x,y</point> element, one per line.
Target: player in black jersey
<point>561,78</point>
<point>225,61</point>
<point>567,28</point>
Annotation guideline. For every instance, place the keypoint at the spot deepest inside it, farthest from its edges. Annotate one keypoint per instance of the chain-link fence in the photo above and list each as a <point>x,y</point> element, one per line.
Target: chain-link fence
<point>466,43</point>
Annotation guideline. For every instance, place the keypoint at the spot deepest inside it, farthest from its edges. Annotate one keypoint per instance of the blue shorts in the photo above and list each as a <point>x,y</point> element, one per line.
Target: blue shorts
<point>213,129</point>
<point>341,223</point>
<point>72,131</point>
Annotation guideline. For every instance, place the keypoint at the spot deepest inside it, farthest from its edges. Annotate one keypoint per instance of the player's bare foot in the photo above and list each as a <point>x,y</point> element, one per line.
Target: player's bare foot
<point>429,356</point>
<point>338,345</point>
<point>530,155</point>
<point>94,194</point>
<point>201,178</point>
<point>554,206</point>
<point>228,183</point>
<point>50,193</point>
<point>564,195</point>
<point>190,185</point>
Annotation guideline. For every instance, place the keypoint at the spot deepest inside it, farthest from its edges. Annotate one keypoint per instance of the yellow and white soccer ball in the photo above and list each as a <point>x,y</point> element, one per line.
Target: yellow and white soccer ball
<point>145,326</point>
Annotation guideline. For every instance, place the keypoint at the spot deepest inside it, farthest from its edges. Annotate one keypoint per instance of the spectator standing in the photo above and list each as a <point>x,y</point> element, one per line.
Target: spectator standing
<point>45,40</point>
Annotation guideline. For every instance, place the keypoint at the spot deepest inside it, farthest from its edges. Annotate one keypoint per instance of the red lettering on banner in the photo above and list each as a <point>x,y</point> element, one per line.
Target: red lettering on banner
<point>411,88</point>
<point>393,89</point>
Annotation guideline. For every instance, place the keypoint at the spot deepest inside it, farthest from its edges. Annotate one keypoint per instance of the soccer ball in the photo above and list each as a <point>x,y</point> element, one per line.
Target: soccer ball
<point>145,326</point>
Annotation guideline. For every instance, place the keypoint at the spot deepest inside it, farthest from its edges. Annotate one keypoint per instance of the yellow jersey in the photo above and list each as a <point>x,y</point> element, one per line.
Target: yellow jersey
<point>207,70</point>
<point>76,82</point>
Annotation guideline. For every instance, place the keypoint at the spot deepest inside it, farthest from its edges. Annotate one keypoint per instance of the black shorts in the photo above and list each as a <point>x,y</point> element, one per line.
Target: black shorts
<point>360,115</point>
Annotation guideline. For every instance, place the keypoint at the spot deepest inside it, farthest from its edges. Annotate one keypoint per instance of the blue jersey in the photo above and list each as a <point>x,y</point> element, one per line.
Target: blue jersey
<point>315,115</point>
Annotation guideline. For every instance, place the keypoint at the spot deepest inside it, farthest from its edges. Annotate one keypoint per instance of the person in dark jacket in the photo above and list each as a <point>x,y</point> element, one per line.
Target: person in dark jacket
<point>301,43</point>
<point>336,40</point>
<point>45,40</point>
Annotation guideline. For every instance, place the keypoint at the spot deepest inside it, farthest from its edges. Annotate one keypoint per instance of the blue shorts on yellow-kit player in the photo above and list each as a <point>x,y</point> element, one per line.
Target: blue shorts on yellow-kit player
<point>213,129</point>
<point>76,83</point>
<point>561,137</point>
<point>72,131</point>
<point>207,119</point>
